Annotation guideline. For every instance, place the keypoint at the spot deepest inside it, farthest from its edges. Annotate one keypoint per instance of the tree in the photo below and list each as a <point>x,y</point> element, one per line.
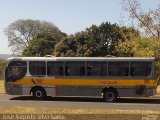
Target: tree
<point>140,47</point>
<point>74,45</point>
<point>21,32</point>
<point>94,41</point>
<point>41,45</point>
<point>2,65</point>
<point>147,21</point>
<point>104,38</point>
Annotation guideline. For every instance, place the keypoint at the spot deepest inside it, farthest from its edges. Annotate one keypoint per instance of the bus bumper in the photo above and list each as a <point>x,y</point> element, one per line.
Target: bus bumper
<point>13,89</point>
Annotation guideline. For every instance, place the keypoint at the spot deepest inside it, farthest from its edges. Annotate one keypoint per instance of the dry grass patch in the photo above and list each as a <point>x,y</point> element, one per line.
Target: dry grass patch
<point>37,110</point>
<point>1,86</point>
<point>158,89</point>
<point>80,114</point>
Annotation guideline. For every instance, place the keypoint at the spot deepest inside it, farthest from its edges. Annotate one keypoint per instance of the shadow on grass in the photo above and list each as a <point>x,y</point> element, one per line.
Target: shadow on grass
<point>146,100</point>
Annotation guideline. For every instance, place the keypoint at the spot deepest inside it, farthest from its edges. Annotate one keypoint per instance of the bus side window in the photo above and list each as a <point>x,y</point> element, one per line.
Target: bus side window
<point>82,71</point>
<point>118,68</point>
<point>60,70</point>
<point>54,68</point>
<point>140,68</point>
<point>89,71</point>
<point>96,68</point>
<point>132,71</point>
<point>37,68</point>
<point>75,68</point>
<point>67,71</point>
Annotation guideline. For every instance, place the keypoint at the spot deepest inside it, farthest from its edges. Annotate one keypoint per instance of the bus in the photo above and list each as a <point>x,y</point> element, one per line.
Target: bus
<point>107,77</point>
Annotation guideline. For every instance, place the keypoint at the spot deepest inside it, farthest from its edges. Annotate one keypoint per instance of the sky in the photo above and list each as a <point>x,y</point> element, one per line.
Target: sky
<point>70,16</point>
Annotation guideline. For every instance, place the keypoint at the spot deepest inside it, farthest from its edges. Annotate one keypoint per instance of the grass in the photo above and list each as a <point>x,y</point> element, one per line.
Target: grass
<point>1,86</point>
<point>37,110</point>
<point>158,89</point>
<point>78,114</point>
<point>81,114</point>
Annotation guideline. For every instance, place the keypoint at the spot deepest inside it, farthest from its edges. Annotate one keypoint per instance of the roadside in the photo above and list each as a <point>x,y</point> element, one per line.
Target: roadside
<point>1,87</point>
<point>76,114</point>
<point>39,110</point>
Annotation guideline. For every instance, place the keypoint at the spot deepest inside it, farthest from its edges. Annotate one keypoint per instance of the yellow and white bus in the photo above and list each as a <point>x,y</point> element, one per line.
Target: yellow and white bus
<point>110,77</point>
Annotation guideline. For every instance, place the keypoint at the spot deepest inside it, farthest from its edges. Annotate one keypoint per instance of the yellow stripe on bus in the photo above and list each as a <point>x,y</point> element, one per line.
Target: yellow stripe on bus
<point>86,82</point>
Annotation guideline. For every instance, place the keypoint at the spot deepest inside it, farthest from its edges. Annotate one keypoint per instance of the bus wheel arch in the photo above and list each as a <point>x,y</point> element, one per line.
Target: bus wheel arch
<point>110,94</point>
<point>38,92</point>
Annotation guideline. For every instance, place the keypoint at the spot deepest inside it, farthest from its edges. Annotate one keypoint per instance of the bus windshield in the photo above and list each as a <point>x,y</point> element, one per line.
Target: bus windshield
<point>15,70</point>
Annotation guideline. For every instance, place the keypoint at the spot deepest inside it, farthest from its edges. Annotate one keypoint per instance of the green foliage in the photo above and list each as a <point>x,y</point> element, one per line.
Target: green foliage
<point>94,41</point>
<point>148,21</point>
<point>140,47</point>
<point>41,45</point>
<point>2,65</point>
<point>21,32</point>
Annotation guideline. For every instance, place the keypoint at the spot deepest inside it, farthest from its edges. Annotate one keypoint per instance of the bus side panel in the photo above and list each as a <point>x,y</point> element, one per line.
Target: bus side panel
<point>50,91</point>
<point>134,92</point>
<point>78,90</point>
<point>96,91</point>
<point>15,89</point>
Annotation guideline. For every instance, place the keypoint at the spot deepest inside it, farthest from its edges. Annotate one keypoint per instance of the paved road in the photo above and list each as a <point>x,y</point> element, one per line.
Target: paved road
<point>82,103</point>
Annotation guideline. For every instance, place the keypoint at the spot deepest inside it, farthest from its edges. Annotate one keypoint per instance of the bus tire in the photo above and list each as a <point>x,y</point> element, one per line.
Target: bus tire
<point>110,95</point>
<point>39,93</point>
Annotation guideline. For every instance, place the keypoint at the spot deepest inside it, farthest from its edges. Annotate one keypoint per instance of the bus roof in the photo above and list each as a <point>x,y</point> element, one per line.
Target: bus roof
<point>80,58</point>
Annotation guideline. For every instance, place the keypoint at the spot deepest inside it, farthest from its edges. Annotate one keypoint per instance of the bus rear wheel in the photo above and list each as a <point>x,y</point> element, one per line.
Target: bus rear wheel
<point>39,93</point>
<point>110,95</point>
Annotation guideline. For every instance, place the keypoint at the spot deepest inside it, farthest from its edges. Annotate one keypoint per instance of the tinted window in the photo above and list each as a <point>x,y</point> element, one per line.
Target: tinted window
<point>54,68</point>
<point>96,69</point>
<point>16,70</point>
<point>118,69</point>
<point>37,68</point>
<point>140,68</point>
<point>75,68</point>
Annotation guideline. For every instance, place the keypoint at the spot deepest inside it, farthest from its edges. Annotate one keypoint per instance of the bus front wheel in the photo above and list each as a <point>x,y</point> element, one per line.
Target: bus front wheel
<point>39,93</point>
<point>110,95</point>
